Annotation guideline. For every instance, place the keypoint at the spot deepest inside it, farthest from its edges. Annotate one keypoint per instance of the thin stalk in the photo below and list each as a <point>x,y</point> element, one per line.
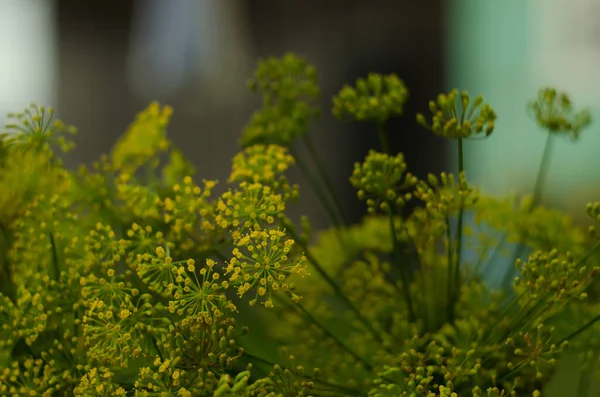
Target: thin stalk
<point>503,315</point>
<point>589,253</point>
<point>511,372</point>
<point>55,263</point>
<point>155,345</point>
<point>333,216</point>
<point>450,306</point>
<point>399,262</point>
<point>584,380</point>
<point>581,329</point>
<point>494,254</point>
<point>325,176</point>
<point>532,318</point>
<point>6,281</point>
<point>332,284</point>
<point>385,147</point>
<point>459,227</point>
<point>352,392</point>
<point>540,181</point>
<point>543,171</point>
<point>309,317</point>
<point>479,262</point>
<point>524,312</point>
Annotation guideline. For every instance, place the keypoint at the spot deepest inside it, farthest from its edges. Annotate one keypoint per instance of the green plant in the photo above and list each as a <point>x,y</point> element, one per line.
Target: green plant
<point>134,278</point>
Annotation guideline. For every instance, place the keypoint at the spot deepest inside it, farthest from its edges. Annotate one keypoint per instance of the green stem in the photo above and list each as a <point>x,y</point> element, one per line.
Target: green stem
<point>459,229</point>
<point>325,176</point>
<point>55,260</point>
<point>6,281</point>
<point>494,254</point>
<point>336,289</point>
<point>402,265</point>
<point>351,392</point>
<point>537,196</point>
<point>542,172</point>
<point>589,253</point>
<point>308,316</point>
<point>479,263</point>
<point>333,216</point>
<point>385,147</point>
<point>450,305</point>
<point>584,379</point>
<point>502,316</point>
<point>580,330</point>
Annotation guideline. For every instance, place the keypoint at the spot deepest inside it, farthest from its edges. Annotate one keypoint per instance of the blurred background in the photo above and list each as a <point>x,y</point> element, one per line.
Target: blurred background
<point>99,63</point>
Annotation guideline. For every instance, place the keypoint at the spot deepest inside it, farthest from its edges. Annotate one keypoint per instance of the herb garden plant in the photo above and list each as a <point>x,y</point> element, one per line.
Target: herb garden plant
<point>132,278</point>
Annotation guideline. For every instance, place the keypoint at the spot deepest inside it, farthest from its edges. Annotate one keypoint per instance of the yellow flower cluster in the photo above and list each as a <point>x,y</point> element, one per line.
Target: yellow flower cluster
<point>144,139</point>
<point>250,207</point>
<point>265,164</point>
<point>134,278</point>
<point>262,259</point>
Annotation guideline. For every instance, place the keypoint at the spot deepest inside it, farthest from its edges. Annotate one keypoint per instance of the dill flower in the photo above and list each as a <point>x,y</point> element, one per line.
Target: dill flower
<point>158,271</point>
<point>131,278</point>
<point>262,260</point>
<point>447,194</point>
<point>200,296</point>
<point>27,377</point>
<point>290,380</point>
<point>375,98</point>
<point>203,345</point>
<point>25,176</point>
<point>554,112</point>
<point>36,127</point>
<point>138,199</point>
<point>288,89</point>
<point>381,180</point>
<point>144,139</point>
<point>97,382</point>
<point>251,206</point>
<point>102,246</point>
<point>26,318</point>
<point>114,333</point>
<point>265,164</point>
<point>188,214</point>
<point>457,117</point>
<point>593,211</point>
<point>142,240</point>
<point>554,277</point>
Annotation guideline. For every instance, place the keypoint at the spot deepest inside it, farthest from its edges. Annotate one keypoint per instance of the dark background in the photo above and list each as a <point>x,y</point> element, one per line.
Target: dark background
<point>343,39</point>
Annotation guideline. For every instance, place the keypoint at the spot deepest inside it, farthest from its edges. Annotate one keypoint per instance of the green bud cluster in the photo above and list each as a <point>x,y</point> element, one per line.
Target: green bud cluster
<point>375,99</point>
<point>382,180</point>
<point>36,126</point>
<point>456,117</point>
<point>446,194</point>
<point>288,87</point>
<point>554,112</point>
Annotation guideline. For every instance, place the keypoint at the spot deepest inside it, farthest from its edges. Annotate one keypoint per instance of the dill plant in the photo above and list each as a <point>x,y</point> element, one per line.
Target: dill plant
<point>133,278</point>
